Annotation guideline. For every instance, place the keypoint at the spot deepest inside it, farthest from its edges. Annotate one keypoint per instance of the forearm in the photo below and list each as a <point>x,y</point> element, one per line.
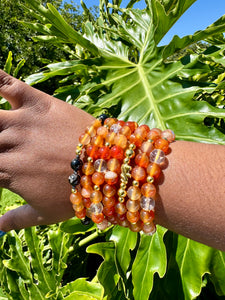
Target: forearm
<point>191,197</point>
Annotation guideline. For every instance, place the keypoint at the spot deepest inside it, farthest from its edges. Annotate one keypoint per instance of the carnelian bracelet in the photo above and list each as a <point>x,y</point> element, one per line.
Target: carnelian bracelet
<point>115,183</point>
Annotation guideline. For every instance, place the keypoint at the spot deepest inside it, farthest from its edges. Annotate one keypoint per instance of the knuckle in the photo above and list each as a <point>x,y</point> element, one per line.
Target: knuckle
<point>5,80</point>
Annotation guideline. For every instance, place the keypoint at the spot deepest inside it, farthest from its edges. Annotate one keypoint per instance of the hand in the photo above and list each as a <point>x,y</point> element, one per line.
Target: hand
<point>38,138</point>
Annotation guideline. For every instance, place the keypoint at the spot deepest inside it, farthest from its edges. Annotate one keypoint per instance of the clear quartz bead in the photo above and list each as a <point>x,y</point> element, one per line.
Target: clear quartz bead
<point>100,165</point>
<point>147,204</point>
<point>157,156</point>
<point>96,208</point>
<point>115,128</point>
<point>103,225</point>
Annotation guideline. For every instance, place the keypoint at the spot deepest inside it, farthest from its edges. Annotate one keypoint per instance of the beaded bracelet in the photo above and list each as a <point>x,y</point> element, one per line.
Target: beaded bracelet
<point>122,162</point>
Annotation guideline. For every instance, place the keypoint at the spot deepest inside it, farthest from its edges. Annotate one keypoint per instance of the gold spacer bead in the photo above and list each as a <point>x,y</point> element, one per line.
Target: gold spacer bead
<point>107,144</point>
<point>135,183</point>
<point>90,159</point>
<point>107,126</point>
<point>121,199</point>
<point>96,187</point>
<point>122,193</point>
<point>150,179</point>
<point>123,185</point>
<point>80,145</point>
<point>132,146</point>
<point>74,191</point>
<point>129,153</point>
<point>78,152</point>
<point>126,160</point>
<point>150,141</point>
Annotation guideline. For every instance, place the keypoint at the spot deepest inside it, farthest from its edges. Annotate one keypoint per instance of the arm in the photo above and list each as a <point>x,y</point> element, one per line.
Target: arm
<point>38,139</point>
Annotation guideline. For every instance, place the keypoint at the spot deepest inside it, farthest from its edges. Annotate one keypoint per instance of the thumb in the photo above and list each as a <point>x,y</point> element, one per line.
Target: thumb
<point>22,217</point>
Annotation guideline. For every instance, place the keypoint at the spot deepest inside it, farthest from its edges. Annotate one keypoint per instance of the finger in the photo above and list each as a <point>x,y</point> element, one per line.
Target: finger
<point>17,92</point>
<point>23,217</point>
<point>6,117</point>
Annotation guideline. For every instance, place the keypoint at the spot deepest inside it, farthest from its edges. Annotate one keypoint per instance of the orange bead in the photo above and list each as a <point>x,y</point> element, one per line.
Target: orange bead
<point>131,125</point>
<point>147,216</point>
<point>168,135</point>
<point>120,140</point>
<point>88,168</point>
<point>110,137</point>
<point>102,131</point>
<point>76,198</point>
<point>87,202</point>
<point>111,177</point>
<point>162,144</point>
<point>132,206</point>
<point>121,218</point>
<point>84,139</point>
<point>121,123</point>
<point>142,160</point>
<point>154,134</point>
<point>136,139</point>
<point>114,165</point>
<point>92,151</point>
<point>154,170</point>
<point>85,181</point>
<point>97,218</point>
<point>86,192</point>
<point>110,121</point>
<point>136,227</point>
<point>117,152</point>
<point>91,130</point>
<point>96,123</point>
<point>148,190</point>
<point>134,193</point>
<point>149,229</point>
<point>147,147</point>
<point>123,223</point>
<point>146,127</point>
<point>108,211</point>
<point>141,131</point>
<point>98,178</point>
<point>78,207</point>
<point>109,190</point>
<point>125,130</point>
<point>112,219</point>
<point>96,196</point>
<point>120,208</point>
<point>104,153</point>
<point>109,201</point>
<point>133,217</point>
<point>98,140</point>
<point>81,214</point>
<point>138,173</point>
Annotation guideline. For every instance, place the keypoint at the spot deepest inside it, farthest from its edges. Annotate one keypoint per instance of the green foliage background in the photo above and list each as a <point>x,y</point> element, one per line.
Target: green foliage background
<point>118,67</point>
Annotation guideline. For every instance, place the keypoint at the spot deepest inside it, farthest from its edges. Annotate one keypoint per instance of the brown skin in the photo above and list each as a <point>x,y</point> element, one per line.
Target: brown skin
<point>37,142</point>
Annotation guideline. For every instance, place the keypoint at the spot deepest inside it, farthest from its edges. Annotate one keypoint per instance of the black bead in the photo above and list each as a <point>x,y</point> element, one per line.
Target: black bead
<point>86,221</point>
<point>74,179</point>
<point>102,118</point>
<point>76,163</point>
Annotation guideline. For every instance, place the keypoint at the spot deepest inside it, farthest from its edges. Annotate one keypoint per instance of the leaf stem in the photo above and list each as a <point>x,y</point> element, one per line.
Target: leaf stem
<point>88,239</point>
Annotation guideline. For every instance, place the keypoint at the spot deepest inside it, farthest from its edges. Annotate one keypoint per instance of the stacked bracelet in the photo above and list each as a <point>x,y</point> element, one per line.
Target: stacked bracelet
<point>122,162</point>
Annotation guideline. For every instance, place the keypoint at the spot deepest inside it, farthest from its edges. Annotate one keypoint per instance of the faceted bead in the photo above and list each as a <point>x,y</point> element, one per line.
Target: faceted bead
<point>125,130</point>
<point>147,147</point>
<point>100,165</point>
<point>97,218</point>
<point>154,134</point>
<point>133,217</point>
<point>108,211</point>
<point>81,214</point>
<point>102,131</point>
<point>109,190</point>
<point>148,190</point>
<point>142,160</point>
<point>91,130</point>
<point>154,170</point>
<point>115,128</point>
<point>109,201</point>
<point>117,152</point>
<point>135,227</point>
<point>114,165</point>
<point>85,181</point>
<point>169,135</point>
<point>98,140</point>
<point>147,216</point>
<point>131,125</point>
<point>96,197</point>
<point>134,193</point>
<point>84,139</point>
<point>162,144</point>
<point>110,121</point>
<point>104,153</point>
<point>96,208</point>
<point>110,137</point>
<point>88,168</point>
<point>98,178</point>
<point>78,207</point>
<point>132,206</point>
<point>76,198</point>
<point>103,225</point>
<point>157,156</point>
<point>86,192</point>
<point>138,173</point>
<point>120,208</point>
<point>120,140</point>
<point>136,139</point>
<point>92,151</point>
<point>76,164</point>
<point>149,229</point>
<point>111,177</point>
<point>87,202</point>
<point>147,203</point>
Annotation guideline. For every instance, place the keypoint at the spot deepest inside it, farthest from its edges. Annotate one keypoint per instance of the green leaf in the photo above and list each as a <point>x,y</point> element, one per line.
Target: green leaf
<point>150,259</point>
<point>8,64</point>
<point>75,226</point>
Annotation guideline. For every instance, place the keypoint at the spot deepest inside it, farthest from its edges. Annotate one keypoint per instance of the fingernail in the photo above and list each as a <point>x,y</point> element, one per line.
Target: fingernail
<point>2,233</point>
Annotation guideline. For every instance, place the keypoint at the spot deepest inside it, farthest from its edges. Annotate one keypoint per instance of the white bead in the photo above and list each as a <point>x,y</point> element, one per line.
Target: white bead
<point>110,175</point>
<point>100,165</point>
<point>96,208</point>
<point>147,204</point>
<point>157,156</point>
<point>115,128</point>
